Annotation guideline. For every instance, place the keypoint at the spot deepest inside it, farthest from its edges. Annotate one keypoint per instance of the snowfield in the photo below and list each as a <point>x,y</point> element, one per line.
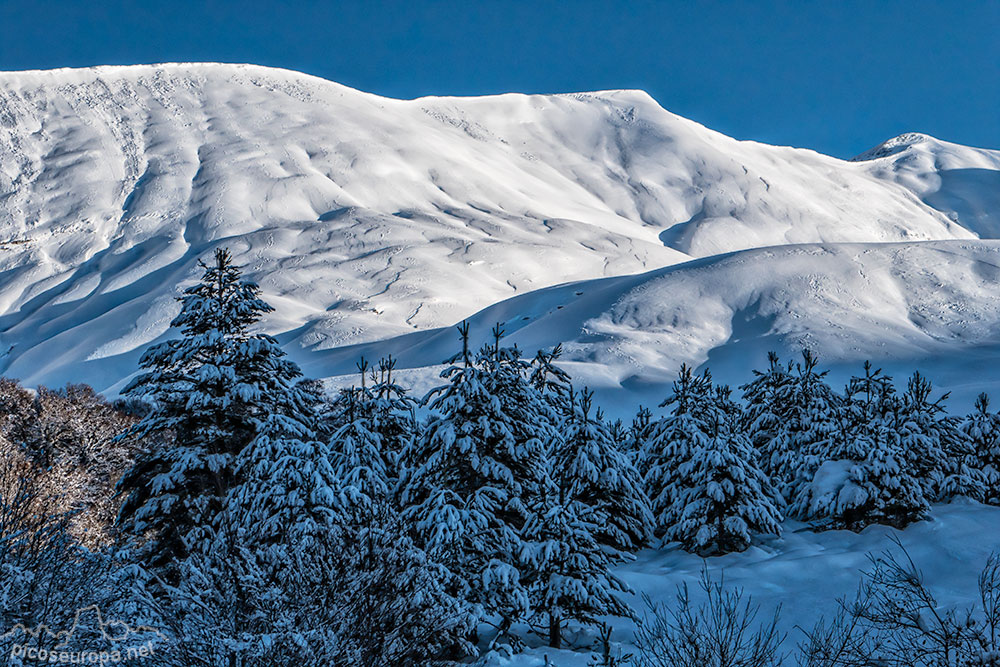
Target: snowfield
<point>803,573</point>
<point>367,218</point>
<point>638,239</point>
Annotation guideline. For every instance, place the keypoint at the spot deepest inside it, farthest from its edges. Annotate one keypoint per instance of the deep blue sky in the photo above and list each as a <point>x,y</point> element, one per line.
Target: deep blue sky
<point>838,77</point>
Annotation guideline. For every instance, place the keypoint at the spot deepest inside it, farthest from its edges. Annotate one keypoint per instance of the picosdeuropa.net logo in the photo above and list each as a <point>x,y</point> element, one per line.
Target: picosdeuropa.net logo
<point>115,641</point>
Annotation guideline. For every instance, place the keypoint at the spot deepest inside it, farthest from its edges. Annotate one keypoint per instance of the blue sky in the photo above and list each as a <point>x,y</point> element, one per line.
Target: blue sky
<point>838,77</point>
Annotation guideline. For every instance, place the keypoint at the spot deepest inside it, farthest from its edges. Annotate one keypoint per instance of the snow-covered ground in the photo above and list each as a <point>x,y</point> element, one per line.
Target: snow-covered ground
<point>367,218</point>
<point>805,573</point>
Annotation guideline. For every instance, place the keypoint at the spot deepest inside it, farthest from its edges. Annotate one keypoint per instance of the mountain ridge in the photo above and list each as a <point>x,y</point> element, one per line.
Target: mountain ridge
<point>365,218</point>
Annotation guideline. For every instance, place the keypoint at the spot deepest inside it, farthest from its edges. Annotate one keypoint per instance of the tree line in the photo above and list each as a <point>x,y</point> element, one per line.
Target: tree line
<point>260,522</point>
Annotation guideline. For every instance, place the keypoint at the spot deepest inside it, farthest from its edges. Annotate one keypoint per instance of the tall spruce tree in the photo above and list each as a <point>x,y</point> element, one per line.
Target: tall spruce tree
<point>210,390</point>
<point>474,471</point>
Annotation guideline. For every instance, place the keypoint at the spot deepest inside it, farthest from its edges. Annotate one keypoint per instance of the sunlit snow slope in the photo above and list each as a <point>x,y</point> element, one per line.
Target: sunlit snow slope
<point>367,218</point>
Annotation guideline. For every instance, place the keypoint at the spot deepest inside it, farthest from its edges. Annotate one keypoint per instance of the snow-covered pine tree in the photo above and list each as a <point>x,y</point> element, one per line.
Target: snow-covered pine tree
<point>939,452</point>
<point>982,428</point>
<point>358,458</point>
<point>210,390</point>
<point>592,517</point>
<point>402,599</point>
<point>474,471</point>
<point>763,411</point>
<point>570,573</point>
<point>794,418</point>
<point>591,468</point>
<point>393,416</point>
<point>868,477</point>
<point>711,495</point>
<point>674,437</point>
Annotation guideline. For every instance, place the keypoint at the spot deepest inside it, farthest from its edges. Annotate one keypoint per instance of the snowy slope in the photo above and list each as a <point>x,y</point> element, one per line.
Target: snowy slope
<point>365,218</point>
<point>927,305</point>
<point>961,182</point>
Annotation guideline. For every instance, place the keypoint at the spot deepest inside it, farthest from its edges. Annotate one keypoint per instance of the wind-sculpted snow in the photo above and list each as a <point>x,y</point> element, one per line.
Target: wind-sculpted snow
<point>365,218</point>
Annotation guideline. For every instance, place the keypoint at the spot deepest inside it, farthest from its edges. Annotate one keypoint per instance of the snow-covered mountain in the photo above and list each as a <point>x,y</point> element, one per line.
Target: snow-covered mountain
<point>371,223</point>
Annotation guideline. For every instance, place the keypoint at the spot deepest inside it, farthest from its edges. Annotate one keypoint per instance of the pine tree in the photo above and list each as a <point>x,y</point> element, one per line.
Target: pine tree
<point>675,437</point>
<point>384,407</point>
<point>264,575</point>
<point>982,428</point>
<point>570,571</point>
<point>598,474</point>
<point>764,412</point>
<point>794,417</point>
<point>869,477</point>
<point>359,457</point>
<point>937,449</point>
<point>711,493</point>
<point>592,516</point>
<point>393,416</point>
<point>211,390</point>
<point>474,472</point>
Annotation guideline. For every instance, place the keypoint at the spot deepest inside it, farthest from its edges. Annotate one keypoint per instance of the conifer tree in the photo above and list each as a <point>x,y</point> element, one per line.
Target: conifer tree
<point>358,459</point>
<point>869,477</point>
<point>474,471</point>
<point>598,474</point>
<point>794,418</point>
<point>764,410</point>
<point>593,516</point>
<point>937,449</point>
<point>674,438</point>
<point>570,572</point>
<point>711,495</point>
<point>303,567</point>
<point>211,390</point>
<point>393,416</point>
<point>982,428</point>
<point>380,406</point>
